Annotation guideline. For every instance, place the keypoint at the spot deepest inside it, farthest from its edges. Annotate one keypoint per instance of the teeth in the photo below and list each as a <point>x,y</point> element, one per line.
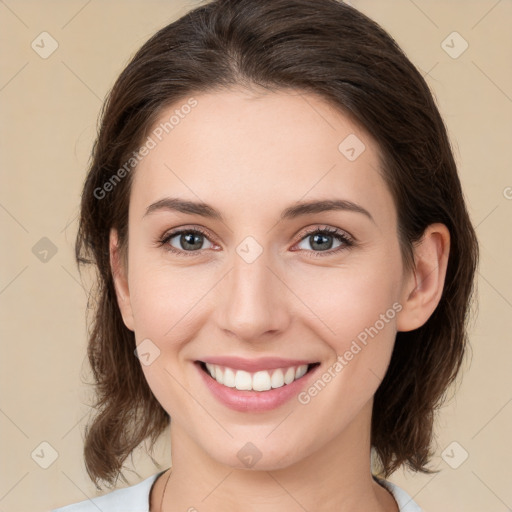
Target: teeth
<point>229,378</point>
<point>211,369</point>
<point>259,381</point>
<point>301,371</point>
<point>243,380</point>
<point>289,376</point>
<point>277,379</point>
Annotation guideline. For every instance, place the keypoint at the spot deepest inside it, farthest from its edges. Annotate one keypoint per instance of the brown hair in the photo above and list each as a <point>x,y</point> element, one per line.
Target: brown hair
<point>319,46</point>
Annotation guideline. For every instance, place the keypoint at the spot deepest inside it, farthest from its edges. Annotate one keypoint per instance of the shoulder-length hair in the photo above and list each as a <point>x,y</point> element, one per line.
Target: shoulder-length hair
<point>319,46</point>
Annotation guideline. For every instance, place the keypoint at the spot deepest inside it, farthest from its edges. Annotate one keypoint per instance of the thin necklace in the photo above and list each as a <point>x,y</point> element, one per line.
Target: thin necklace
<point>165,489</point>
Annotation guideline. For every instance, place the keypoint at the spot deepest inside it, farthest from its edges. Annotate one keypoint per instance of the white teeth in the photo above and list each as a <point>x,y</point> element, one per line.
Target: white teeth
<point>259,381</point>
<point>229,378</point>
<point>289,376</point>
<point>301,370</point>
<point>219,375</point>
<point>211,369</point>
<point>278,380</point>
<point>243,380</point>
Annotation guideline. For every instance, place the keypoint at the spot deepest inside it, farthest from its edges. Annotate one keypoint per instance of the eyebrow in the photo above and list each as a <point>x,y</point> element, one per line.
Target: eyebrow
<point>292,212</point>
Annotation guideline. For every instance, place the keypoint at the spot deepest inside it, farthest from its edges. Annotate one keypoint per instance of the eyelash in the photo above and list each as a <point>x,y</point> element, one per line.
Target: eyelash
<point>347,240</point>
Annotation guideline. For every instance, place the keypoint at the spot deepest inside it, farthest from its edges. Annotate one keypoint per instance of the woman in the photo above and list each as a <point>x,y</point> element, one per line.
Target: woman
<point>281,239</point>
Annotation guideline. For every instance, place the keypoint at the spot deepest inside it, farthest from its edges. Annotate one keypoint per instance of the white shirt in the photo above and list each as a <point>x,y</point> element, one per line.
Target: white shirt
<point>136,499</point>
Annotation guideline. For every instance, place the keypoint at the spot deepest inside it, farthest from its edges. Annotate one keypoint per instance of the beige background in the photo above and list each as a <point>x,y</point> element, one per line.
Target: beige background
<point>49,109</point>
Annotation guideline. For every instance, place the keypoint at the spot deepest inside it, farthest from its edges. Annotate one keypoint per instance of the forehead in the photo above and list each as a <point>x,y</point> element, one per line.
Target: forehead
<point>241,150</point>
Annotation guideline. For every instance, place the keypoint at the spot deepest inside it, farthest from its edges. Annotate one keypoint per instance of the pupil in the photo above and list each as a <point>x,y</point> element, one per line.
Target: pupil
<point>189,239</point>
<point>319,239</point>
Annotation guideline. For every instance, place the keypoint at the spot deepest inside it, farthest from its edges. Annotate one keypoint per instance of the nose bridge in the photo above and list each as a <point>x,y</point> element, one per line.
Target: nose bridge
<point>253,301</point>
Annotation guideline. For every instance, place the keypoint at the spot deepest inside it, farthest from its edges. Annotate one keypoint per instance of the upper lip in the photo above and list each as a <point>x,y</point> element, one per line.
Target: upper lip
<point>252,365</point>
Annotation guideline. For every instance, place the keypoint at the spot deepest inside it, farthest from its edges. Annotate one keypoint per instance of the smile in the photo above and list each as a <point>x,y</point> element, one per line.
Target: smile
<point>255,385</point>
<point>258,381</point>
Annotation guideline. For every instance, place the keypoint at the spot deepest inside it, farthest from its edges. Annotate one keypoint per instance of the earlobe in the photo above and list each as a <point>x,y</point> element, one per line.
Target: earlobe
<point>120,278</point>
<point>423,290</point>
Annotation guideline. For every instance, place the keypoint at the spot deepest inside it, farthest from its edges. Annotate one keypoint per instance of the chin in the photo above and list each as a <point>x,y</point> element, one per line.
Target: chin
<point>260,454</point>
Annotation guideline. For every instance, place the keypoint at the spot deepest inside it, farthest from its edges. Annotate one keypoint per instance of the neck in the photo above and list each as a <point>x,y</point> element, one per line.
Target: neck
<point>336,477</point>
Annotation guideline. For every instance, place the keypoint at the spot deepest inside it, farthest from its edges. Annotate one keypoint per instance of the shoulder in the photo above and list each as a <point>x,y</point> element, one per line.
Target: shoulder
<point>404,501</point>
<point>130,499</point>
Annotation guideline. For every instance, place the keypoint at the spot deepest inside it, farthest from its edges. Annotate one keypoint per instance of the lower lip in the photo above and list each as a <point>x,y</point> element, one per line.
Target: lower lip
<point>254,401</point>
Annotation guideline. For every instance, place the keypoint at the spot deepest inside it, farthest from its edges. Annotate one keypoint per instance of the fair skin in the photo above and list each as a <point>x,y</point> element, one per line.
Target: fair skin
<point>250,156</point>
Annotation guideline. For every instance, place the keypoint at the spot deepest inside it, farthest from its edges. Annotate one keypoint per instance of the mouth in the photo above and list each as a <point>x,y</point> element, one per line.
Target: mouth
<point>258,390</point>
<point>262,380</point>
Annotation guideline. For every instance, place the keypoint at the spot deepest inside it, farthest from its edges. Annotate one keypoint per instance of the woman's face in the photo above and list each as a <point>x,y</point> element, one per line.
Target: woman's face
<point>245,285</point>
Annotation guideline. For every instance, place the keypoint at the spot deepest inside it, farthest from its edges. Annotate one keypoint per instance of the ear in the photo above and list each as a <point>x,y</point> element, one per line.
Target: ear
<point>424,287</point>
<point>119,274</point>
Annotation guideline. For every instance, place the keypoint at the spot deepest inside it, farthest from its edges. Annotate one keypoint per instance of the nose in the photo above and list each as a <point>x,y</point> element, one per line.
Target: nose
<point>252,301</point>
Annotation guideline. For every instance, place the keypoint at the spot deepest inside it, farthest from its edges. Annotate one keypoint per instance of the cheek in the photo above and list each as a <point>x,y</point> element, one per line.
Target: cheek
<point>166,301</point>
<point>347,302</point>
<point>338,303</point>
<point>355,311</point>
<point>164,298</point>
<point>165,304</point>
<point>362,341</point>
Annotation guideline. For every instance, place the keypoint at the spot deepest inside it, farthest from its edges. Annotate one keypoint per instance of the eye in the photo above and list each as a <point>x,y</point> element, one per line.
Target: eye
<point>185,241</point>
<point>190,241</point>
<point>321,241</point>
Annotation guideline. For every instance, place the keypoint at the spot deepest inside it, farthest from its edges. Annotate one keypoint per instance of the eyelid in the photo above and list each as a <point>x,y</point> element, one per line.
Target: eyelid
<point>168,235</point>
<point>347,239</point>
<point>326,228</point>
